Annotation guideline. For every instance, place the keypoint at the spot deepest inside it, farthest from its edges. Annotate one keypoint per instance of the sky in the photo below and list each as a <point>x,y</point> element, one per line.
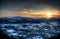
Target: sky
<point>10,8</point>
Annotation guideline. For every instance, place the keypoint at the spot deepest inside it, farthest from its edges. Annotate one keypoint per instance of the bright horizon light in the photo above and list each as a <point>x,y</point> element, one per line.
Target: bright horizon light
<point>48,14</point>
<point>45,13</point>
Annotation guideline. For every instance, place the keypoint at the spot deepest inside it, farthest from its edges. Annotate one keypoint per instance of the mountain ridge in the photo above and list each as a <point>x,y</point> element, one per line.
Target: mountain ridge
<point>26,20</point>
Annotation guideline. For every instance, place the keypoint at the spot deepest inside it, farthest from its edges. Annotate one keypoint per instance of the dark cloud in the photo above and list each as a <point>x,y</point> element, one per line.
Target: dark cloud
<point>17,5</point>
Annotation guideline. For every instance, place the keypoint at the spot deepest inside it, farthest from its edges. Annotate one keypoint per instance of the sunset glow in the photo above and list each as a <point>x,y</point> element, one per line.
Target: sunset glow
<point>45,13</point>
<point>48,14</point>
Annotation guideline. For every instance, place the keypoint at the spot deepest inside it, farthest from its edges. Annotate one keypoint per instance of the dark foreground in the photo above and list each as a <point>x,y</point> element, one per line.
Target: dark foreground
<point>49,30</point>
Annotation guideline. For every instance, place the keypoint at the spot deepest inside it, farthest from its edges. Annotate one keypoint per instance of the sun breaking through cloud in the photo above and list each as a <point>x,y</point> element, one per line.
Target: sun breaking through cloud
<point>44,13</point>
